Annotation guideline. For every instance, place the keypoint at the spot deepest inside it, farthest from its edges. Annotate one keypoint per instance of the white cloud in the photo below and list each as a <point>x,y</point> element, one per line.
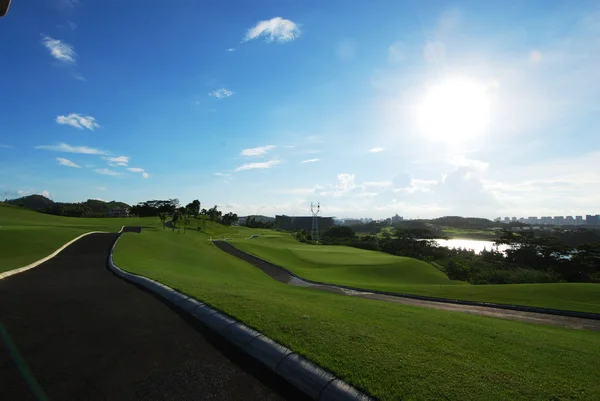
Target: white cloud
<point>63,147</point>
<point>261,165</point>
<point>535,56</point>
<point>376,150</point>
<point>223,175</point>
<point>378,184</point>
<point>78,121</point>
<point>101,188</point>
<point>395,52</point>
<point>6,146</point>
<point>274,30</point>
<point>434,52</point>
<point>105,171</point>
<point>310,160</point>
<point>221,93</point>
<point>31,192</point>
<point>258,151</point>
<point>59,50</point>
<point>231,49</point>
<point>145,175</point>
<point>79,77</point>
<point>136,169</point>
<point>67,162</point>
<point>117,161</point>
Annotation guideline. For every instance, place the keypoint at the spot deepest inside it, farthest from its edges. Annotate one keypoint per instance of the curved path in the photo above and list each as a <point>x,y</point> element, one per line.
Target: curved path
<point>70,329</point>
<point>283,275</point>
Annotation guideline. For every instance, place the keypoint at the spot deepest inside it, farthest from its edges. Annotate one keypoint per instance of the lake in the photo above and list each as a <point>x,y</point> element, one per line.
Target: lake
<point>474,244</point>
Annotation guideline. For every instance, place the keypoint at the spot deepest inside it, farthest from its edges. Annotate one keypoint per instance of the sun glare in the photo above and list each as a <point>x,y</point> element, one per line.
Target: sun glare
<point>454,111</point>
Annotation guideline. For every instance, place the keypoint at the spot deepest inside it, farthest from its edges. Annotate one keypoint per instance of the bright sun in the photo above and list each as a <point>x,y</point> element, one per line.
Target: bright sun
<point>454,111</point>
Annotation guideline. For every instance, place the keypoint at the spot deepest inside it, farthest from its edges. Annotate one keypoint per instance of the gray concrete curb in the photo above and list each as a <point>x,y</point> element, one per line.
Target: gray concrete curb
<point>309,378</point>
<point>520,308</point>
<point>39,262</point>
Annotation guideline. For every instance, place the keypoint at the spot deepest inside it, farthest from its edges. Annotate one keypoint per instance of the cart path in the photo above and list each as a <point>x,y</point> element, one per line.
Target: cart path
<point>280,274</point>
<point>74,330</point>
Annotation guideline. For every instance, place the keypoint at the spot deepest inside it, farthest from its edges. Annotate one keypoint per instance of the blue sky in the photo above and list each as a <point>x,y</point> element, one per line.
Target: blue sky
<point>369,107</point>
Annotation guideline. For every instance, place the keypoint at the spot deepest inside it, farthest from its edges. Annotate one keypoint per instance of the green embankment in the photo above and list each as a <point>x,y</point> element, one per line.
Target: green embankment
<point>391,351</point>
<point>380,271</point>
<point>27,236</point>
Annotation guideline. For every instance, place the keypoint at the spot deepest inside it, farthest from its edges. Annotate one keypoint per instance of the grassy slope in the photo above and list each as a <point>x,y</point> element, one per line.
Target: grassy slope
<point>27,236</point>
<point>359,268</point>
<point>342,264</point>
<point>392,351</point>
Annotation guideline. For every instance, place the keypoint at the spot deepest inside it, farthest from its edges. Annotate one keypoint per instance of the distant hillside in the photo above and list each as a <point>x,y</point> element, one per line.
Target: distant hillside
<point>33,202</point>
<point>89,208</point>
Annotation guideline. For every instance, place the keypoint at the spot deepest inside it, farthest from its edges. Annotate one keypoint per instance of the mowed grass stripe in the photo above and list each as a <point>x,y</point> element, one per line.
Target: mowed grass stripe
<point>360,268</point>
<point>391,351</point>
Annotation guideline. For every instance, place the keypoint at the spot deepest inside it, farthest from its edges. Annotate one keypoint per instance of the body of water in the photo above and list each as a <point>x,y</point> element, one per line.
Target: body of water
<point>474,244</point>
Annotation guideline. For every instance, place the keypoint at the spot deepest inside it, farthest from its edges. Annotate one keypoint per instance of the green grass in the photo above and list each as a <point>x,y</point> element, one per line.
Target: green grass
<point>380,271</point>
<point>342,264</point>
<point>391,351</point>
<point>464,233</point>
<point>27,236</point>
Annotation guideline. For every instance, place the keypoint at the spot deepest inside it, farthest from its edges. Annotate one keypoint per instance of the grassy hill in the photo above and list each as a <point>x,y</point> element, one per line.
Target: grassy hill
<point>342,264</point>
<point>27,236</point>
<point>392,351</point>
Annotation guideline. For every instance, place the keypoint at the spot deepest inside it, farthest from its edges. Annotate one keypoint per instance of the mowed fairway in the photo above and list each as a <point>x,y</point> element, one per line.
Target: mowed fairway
<point>391,351</point>
<point>379,271</point>
<point>27,236</point>
<point>342,264</point>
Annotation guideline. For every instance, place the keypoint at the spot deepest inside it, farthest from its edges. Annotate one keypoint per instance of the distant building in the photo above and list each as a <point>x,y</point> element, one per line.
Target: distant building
<point>302,222</point>
<point>352,222</point>
<point>507,219</point>
<point>397,219</point>
<point>513,219</point>
<point>569,220</point>
<point>579,220</point>
<point>118,212</point>
<point>558,220</point>
<point>592,220</point>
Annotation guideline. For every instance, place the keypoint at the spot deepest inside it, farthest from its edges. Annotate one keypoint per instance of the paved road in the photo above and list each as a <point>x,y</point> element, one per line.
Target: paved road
<point>282,275</point>
<point>71,330</point>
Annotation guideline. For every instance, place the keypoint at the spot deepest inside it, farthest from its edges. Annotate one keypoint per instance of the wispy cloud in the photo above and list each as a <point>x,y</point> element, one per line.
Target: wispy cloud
<point>396,52</point>
<point>136,169</point>
<point>145,175</point>
<point>59,50</point>
<point>376,150</point>
<point>377,184</point>
<point>221,93</point>
<point>101,188</point>
<point>231,49</point>
<point>223,175</point>
<point>262,165</point>
<point>117,160</point>
<point>258,151</point>
<point>274,30</point>
<point>79,77</point>
<point>310,160</point>
<point>6,146</point>
<point>105,171</point>
<point>78,121</point>
<point>25,193</point>
<point>63,147</point>
<point>67,162</point>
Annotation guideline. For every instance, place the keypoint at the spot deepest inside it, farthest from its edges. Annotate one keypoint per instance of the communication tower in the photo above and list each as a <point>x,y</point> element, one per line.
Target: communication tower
<point>315,210</point>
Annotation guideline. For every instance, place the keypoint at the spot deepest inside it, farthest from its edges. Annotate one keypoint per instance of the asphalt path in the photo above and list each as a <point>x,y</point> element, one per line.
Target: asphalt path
<point>283,275</point>
<point>72,330</point>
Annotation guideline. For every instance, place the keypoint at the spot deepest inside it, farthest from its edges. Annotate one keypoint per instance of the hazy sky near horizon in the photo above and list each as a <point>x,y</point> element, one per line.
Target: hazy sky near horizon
<point>370,107</point>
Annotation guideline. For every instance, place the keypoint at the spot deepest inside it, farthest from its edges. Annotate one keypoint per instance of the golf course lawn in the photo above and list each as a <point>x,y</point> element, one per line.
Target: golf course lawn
<point>27,236</point>
<point>389,350</point>
<point>380,271</point>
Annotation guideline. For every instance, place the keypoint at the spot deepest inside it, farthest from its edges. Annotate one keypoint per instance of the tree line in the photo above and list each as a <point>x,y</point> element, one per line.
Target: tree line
<point>529,258</point>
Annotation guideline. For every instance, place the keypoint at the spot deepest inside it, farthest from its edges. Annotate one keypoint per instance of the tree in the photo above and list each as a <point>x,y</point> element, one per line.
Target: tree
<point>229,218</point>
<point>194,207</point>
<point>163,217</point>
<point>186,219</point>
<point>342,232</point>
<point>214,214</point>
